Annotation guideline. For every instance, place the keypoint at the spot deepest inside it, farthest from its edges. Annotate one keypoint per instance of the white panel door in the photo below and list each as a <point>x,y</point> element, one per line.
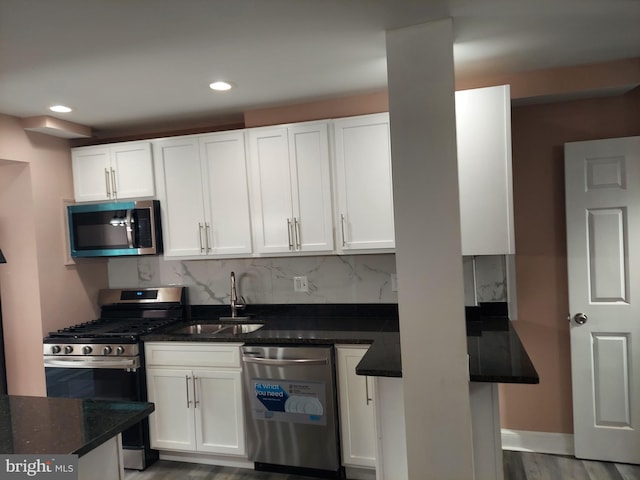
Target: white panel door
<point>132,165</point>
<point>363,171</point>
<point>171,425</point>
<point>311,188</point>
<point>219,413</point>
<point>91,173</point>
<point>226,193</point>
<point>179,182</point>
<point>603,250</point>
<point>271,190</point>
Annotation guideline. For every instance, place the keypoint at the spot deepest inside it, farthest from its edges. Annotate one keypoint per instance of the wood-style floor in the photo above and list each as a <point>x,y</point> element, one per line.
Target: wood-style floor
<point>517,466</point>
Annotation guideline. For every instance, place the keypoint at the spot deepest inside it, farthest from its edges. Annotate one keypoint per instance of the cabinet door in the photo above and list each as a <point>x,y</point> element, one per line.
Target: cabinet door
<point>226,193</point>
<point>91,173</point>
<point>483,124</point>
<point>271,190</point>
<point>179,182</point>
<point>363,172</point>
<point>219,412</point>
<point>132,165</point>
<point>357,414</point>
<point>171,425</point>
<point>313,217</point>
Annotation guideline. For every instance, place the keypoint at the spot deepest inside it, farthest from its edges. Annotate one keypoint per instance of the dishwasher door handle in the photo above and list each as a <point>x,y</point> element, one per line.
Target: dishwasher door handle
<point>285,362</point>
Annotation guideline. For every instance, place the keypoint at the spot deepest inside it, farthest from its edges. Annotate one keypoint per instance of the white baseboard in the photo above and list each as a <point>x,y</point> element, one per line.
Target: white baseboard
<point>207,459</point>
<point>541,442</point>
<point>356,473</point>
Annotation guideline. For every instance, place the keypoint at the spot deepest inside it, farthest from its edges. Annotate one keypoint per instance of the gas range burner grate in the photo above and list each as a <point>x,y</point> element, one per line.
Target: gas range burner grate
<point>126,314</point>
<point>114,328</point>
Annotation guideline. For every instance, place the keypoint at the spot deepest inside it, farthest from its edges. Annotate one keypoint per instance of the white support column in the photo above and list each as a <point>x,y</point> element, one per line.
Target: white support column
<point>428,251</point>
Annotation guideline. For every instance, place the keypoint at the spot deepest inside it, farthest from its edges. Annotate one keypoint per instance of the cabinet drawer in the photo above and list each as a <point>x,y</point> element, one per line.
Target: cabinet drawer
<point>193,354</point>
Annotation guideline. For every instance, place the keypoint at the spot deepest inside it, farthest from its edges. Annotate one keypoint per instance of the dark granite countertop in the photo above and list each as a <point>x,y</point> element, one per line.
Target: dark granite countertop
<point>45,425</point>
<point>495,351</point>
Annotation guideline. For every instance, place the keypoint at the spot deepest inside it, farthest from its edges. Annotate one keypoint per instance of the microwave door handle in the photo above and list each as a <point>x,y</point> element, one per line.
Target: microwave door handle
<point>129,228</point>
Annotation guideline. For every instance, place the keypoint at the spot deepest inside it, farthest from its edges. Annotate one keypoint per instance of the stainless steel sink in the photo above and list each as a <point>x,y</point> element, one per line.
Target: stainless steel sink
<point>241,328</point>
<point>218,328</point>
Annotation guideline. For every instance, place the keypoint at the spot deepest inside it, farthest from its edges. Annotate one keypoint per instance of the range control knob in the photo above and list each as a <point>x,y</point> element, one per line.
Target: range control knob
<point>107,350</point>
<point>119,350</point>
<point>55,349</point>
<point>68,349</point>
<point>87,349</point>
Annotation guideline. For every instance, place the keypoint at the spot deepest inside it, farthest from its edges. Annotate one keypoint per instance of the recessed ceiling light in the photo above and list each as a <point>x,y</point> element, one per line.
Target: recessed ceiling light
<point>220,86</point>
<point>60,109</point>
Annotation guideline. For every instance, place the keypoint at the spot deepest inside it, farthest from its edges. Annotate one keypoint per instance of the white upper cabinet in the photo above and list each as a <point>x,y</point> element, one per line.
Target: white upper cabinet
<point>179,182</point>
<point>202,187</point>
<point>113,172</point>
<point>364,214</point>
<point>483,124</point>
<point>291,188</point>
<point>224,168</point>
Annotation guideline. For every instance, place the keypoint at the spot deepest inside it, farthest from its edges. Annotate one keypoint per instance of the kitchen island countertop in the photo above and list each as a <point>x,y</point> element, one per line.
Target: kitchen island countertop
<point>495,351</point>
<point>46,425</point>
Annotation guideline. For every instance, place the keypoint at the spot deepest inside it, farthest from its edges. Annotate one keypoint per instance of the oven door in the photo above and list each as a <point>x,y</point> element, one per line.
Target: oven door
<point>107,383</point>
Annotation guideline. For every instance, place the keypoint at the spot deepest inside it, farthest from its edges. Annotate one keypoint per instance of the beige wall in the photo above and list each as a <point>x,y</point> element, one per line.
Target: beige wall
<point>374,102</point>
<point>538,135</point>
<point>39,292</point>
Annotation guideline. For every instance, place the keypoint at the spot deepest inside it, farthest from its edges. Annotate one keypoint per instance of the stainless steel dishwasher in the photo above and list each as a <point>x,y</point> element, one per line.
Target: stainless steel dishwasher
<point>290,409</point>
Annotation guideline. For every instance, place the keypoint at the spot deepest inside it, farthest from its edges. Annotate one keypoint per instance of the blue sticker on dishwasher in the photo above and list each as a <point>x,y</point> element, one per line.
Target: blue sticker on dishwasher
<point>289,401</point>
<point>271,395</point>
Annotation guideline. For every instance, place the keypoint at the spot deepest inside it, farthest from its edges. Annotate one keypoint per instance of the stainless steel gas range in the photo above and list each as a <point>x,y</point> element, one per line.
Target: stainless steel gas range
<point>104,358</point>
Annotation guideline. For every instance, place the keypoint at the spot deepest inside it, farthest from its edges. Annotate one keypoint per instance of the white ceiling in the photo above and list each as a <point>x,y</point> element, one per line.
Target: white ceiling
<point>130,63</point>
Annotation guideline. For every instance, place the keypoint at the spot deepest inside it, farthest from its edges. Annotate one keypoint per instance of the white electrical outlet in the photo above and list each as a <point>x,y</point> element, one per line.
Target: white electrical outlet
<point>300,284</point>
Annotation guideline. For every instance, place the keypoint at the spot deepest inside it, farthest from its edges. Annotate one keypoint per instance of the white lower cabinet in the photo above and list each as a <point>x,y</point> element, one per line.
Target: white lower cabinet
<point>357,413</point>
<point>197,392</point>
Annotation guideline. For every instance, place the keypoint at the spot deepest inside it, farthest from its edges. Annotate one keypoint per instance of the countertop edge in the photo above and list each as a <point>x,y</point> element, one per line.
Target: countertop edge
<point>115,430</point>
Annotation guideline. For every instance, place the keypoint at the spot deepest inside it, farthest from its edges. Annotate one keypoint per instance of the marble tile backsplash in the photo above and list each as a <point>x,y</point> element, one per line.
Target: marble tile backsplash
<point>331,278</point>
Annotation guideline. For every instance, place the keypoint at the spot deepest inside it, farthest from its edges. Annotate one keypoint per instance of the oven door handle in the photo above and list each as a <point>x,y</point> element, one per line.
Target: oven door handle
<point>126,363</point>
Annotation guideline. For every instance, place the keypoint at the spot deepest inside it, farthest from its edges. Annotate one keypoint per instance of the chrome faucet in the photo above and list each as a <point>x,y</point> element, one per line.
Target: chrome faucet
<point>235,304</point>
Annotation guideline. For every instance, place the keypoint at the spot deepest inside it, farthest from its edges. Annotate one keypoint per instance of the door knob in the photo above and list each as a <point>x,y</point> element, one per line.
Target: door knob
<point>580,318</point>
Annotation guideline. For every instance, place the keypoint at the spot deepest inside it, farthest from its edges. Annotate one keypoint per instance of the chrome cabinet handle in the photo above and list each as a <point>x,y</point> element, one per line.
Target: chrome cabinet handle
<point>580,318</point>
<point>195,391</point>
<point>296,225</point>
<point>344,242</point>
<point>107,183</point>
<point>289,234</point>
<point>200,228</point>
<point>366,389</point>
<point>187,378</point>
<point>113,183</point>
<point>207,230</point>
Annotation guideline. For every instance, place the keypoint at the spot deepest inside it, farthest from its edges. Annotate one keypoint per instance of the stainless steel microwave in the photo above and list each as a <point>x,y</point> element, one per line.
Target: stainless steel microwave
<point>115,229</point>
